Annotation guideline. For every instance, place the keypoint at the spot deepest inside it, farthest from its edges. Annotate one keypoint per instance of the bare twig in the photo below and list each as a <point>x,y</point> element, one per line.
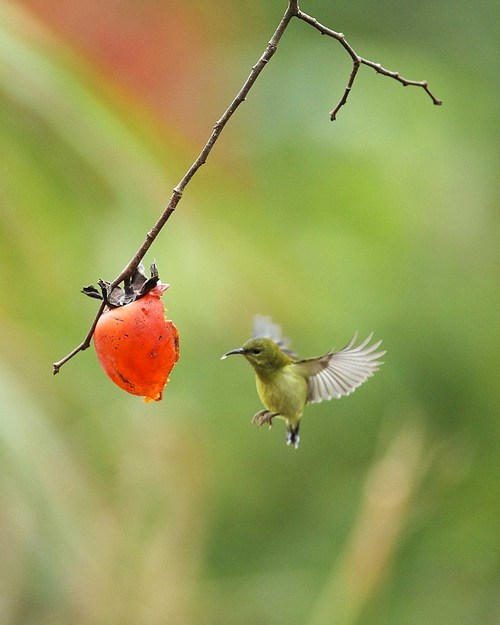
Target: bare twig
<point>179,189</point>
<point>291,11</point>
<point>83,345</point>
<point>357,61</point>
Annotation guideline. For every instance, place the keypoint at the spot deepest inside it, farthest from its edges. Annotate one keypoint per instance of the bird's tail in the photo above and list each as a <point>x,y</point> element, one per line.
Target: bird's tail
<point>292,435</point>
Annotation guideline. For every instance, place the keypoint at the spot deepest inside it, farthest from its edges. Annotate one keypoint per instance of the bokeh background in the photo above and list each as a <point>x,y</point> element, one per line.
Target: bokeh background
<point>115,512</point>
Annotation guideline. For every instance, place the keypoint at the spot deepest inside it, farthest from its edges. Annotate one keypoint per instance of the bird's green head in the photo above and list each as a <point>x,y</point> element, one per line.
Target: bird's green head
<point>262,354</point>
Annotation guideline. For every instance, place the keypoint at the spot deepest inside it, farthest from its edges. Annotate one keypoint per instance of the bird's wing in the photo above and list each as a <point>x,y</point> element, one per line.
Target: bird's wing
<point>339,373</point>
<point>263,327</point>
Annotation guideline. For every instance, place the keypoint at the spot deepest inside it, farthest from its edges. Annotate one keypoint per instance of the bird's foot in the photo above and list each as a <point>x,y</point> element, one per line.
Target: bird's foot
<point>292,436</point>
<point>263,416</point>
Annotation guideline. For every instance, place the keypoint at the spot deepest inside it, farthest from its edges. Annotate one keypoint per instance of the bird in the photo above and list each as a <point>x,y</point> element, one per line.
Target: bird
<point>286,384</point>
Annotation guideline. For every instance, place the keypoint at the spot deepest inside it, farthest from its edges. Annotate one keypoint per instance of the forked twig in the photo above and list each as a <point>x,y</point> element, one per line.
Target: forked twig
<point>291,11</point>
<point>357,61</point>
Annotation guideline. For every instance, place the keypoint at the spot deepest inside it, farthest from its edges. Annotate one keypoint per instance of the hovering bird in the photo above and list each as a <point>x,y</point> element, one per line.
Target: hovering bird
<point>285,384</point>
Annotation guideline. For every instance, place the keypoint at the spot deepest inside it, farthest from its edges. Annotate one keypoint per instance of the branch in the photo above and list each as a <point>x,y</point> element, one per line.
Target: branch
<point>291,11</point>
<point>179,189</point>
<point>357,61</point>
<point>84,344</point>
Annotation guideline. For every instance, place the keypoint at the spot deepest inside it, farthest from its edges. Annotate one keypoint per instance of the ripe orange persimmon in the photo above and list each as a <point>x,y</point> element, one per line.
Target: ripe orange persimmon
<point>136,346</point>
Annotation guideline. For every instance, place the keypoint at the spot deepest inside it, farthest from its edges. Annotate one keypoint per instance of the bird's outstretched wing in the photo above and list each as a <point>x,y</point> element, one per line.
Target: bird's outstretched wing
<point>339,373</point>
<point>263,327</point>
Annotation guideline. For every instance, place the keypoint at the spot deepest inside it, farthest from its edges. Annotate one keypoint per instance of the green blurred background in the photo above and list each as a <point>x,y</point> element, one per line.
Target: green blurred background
<point>115,512</point>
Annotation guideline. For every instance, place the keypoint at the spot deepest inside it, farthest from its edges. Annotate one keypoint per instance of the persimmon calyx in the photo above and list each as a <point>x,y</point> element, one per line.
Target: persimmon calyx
<point>133,289</point>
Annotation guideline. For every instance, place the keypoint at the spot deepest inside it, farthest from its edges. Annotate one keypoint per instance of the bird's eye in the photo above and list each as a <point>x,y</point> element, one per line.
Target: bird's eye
<point>256,350</point>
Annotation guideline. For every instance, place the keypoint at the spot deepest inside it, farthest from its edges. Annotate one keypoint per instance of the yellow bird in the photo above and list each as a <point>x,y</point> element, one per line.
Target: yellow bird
<point>285,384</point>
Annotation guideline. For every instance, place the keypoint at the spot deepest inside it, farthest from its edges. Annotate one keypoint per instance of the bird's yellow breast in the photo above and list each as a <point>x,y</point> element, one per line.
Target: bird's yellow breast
<point>283,392</point>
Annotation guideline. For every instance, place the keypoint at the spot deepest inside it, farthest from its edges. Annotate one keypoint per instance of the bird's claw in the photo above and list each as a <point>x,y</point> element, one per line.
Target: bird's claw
<point>263,416</point>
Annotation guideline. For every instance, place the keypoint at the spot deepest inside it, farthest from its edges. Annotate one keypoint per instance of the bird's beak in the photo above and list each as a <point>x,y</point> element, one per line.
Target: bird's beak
<point>240,350</point>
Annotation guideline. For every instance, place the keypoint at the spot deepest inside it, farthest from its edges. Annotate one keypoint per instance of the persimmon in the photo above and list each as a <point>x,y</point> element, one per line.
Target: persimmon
<point>136,345</point>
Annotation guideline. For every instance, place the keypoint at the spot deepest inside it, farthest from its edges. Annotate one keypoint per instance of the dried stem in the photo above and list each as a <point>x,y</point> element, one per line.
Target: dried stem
<point>357,61</point>
<point>83,345</point>
<point>291,11</point>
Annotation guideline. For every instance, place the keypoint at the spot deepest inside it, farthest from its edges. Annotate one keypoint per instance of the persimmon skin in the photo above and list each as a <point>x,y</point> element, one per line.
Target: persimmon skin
<point>136,346</point>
